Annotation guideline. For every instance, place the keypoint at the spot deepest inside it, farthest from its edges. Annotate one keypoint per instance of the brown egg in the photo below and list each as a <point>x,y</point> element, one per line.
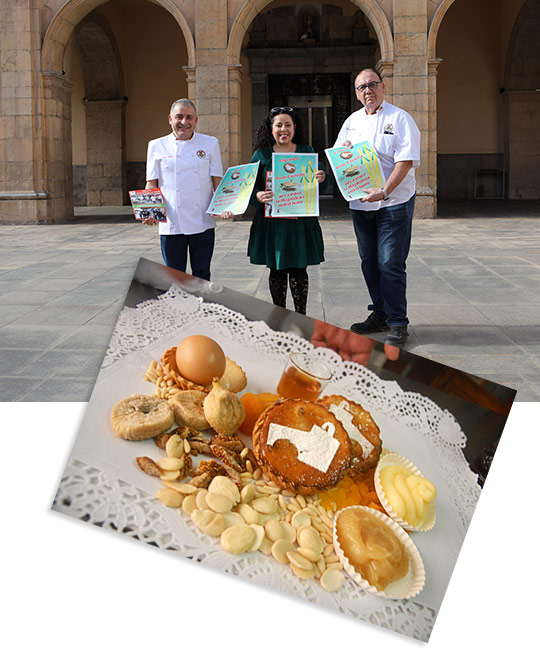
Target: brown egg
<point>200,359</point>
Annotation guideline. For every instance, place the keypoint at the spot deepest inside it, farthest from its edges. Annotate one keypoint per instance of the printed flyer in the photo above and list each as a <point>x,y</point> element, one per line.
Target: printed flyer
<point>148,204</point>
<point>295,186</point>
<point>234,190</point>
<point>356,168</point>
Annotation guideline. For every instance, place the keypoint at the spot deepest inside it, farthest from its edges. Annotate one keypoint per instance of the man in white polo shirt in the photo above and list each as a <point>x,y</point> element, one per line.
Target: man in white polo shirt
<point>383,218</point>
<point>187,166</point>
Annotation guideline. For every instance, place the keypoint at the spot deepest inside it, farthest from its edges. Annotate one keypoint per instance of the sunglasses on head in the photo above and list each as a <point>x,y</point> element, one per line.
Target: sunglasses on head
<point>280,110</point>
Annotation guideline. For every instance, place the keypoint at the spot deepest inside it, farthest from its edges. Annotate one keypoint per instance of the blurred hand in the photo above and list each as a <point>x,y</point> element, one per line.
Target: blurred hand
<point>227,215</point>
<point>347,344</point>
<point>150,221</point>
<point>320,176</point>
<point>264,196</point>
<point>373,195</point>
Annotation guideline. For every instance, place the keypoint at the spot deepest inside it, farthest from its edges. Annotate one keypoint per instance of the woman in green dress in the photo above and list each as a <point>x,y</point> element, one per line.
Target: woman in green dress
<point>287,246</point>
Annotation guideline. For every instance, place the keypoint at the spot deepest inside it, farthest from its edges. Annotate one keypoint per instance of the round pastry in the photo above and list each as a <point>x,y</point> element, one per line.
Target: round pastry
<point>141,416</point>
<point>301,445</point>
<point>188,409</point>
<point>362,430</point>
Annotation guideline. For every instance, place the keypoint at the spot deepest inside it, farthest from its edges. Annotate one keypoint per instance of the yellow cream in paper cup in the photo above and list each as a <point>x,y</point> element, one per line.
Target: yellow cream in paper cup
<point>390,459</point>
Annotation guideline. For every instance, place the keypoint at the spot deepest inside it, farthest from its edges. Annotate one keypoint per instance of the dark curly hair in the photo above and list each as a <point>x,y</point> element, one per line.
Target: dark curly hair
<point>264,138</point>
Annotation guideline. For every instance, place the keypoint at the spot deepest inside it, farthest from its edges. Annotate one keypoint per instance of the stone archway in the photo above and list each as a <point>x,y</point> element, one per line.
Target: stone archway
<point>105,111</point>
<point>522,105</point>
<point>241,26</point>
<point>56,107</point>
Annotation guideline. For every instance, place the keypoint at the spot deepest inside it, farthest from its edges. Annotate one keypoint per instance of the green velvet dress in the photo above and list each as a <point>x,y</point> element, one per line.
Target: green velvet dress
<point>282,243</point>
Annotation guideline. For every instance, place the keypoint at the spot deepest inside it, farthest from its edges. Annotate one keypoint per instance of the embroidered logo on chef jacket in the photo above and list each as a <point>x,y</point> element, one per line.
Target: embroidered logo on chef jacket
<point>201,154</point>
<point>388,129</point>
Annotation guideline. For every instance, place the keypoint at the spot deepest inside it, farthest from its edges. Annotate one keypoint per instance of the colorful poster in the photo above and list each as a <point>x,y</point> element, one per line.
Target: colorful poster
<point>148,204</point>
<point>356,168</point>
<point>234,190</point>
<point>296,190</point>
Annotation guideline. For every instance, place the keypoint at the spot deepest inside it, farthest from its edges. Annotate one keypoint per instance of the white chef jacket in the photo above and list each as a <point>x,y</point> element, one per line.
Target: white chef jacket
<point>395,136</point>
<point>184,170</point>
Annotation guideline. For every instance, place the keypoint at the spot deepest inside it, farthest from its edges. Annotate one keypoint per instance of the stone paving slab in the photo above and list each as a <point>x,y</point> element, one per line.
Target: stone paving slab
<point>474,294</point>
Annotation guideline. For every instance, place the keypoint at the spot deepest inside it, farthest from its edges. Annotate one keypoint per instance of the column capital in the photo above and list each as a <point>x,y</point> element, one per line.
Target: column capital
<point>236,71</point>
<point>385,68</point>
<point>54,79</point>
<point>191,73</point>
<point>433,66</point>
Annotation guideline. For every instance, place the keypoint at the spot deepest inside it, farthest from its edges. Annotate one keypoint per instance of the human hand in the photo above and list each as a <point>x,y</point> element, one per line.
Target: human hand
<point>347,143</point>
<point>150,221</point>
<point>264,196</point>
<point>349,345</point>
<point>226,214</point>
<point>320,176</point>
<point>373,195</point>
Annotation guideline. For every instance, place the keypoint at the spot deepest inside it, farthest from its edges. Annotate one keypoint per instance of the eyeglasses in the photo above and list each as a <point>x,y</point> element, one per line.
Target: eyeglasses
<point>369,85</point>
<point>280,110</point>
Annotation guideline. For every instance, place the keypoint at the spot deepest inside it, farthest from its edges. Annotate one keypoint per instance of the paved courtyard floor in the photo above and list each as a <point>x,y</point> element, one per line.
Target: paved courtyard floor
<point>473,280</point>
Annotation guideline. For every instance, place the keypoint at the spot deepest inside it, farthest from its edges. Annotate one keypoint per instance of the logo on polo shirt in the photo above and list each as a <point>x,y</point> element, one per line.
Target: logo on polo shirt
<point>388,129</point>
<point>201,154</point>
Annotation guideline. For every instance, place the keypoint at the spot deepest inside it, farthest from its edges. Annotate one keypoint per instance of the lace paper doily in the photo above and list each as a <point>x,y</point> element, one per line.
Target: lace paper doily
<point>99,488</point>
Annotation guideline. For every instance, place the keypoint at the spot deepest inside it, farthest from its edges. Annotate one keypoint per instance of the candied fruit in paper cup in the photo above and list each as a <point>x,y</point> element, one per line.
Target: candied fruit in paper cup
<point>404,588</point>
<point>387,460</point>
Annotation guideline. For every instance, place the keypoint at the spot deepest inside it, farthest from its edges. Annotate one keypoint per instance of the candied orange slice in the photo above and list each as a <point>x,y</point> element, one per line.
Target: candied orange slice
<point>255,405</point>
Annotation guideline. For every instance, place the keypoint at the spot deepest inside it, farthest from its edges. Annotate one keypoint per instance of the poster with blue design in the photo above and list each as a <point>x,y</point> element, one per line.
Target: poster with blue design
<point>356,168</point>
<point>295,186</point>
<point>234,190</point>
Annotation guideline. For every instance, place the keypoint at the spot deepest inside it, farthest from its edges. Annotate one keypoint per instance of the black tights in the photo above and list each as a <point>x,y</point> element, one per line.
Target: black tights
<point>298,282</point>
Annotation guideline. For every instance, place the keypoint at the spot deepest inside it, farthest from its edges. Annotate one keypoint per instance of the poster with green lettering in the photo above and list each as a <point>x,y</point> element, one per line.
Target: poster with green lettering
<point>234,190</point>
<point>356,168</point>
<point>296,190</point>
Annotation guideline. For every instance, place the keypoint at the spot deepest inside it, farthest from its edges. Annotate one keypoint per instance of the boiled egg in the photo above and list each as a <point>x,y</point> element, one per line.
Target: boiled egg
<point>200,359</point>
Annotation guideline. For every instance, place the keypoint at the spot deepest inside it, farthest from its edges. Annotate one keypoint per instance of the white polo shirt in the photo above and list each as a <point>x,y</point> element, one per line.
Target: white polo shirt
<point>396,138</point>
<point>184,170</point>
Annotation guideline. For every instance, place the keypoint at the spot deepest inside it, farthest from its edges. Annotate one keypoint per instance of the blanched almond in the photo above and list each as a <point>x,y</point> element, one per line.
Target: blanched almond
<point>170,464</point>
<point>265,505</point>
<point>169,497</point>
<point>280,549</point>
<point>332,580</point>
<point>225,486</point>
<point>237,539</point>
<point>208,522</point>
<point>218,502</point>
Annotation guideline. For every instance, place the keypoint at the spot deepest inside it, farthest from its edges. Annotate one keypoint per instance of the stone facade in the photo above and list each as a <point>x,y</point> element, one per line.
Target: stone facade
<point>232,48</point>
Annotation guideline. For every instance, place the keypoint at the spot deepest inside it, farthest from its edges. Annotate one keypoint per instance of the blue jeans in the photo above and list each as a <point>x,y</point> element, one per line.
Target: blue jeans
<point>384,239</point>
<point>174,249</point>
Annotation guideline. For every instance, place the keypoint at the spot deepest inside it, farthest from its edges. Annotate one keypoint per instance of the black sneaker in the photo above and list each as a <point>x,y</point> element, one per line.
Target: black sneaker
<point>397,336</point>
<point>375,323</point>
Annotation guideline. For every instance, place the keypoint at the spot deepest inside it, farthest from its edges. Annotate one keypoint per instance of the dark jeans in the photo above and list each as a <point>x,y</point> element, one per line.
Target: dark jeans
<point>384,238</point>
<point>174,249</point>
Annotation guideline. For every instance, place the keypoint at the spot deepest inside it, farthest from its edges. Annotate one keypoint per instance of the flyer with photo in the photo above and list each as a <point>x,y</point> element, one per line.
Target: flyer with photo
<point>148,204</point>
<point>356,168</point>
<point>295,185</point>
<point>234,190</point>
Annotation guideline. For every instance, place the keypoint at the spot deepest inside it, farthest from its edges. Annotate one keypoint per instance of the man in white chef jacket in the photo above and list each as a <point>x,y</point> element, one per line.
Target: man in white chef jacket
<point>187,166</point>
<point>383,218</point>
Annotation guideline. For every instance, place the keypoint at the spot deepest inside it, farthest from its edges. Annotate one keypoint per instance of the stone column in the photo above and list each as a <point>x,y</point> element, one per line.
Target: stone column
<point>212,84</point>
<point>23,195</point>
<point>411,88</point>
<point>235,123</point>
<point>57,156</point>
<point>106,152</point>
<point>259,94</point>
<point>522,143</point>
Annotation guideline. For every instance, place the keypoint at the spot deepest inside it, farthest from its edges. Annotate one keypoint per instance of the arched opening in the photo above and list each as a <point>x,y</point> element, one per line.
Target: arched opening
<point>522,105</point>
<point>470,40</point>
<point>112,77</point>
<point>306,55</point>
